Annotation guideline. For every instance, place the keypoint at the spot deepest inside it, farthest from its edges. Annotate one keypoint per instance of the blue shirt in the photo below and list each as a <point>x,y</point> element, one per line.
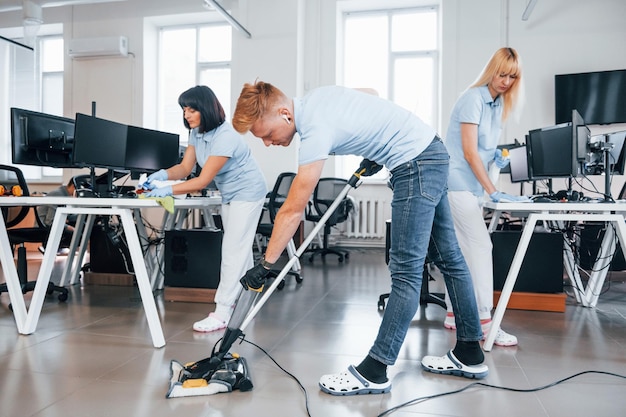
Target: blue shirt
<point>344,121</point>
<point>240,179</point>
<point>475,106</point>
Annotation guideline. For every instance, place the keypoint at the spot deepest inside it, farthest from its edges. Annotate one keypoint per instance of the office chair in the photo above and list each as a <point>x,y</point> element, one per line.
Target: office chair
<point>325,193</point>
<point>19,236</point>
<point>426,297</point>
<point>275,200</point>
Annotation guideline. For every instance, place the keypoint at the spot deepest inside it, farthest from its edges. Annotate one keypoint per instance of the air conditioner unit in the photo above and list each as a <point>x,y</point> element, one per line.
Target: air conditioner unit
<point>112,46</point>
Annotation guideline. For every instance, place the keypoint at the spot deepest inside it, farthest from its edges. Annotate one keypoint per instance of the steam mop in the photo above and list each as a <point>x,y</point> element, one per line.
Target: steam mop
<point>224,371</point>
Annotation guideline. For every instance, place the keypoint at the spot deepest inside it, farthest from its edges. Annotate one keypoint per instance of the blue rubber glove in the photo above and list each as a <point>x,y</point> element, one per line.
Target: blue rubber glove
<point>499,160</point>
<point>500,197</point>
<point>160,192</point>
<point>160,175</point>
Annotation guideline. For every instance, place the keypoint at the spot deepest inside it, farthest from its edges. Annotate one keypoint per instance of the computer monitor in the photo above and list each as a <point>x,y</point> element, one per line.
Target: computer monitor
<point>41,139</point>
<point>581,135</point>
<point>552,153</point>
<point>518,163</point>
<point>99,143</point>
<point>616,155</point>
<point>150,150</point>
<point>106,144</point>
<point>600,97</point>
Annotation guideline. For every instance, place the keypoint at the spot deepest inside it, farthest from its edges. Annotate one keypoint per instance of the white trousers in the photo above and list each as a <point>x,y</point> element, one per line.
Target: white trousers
<point>475,242</point>
<point>239,220</point>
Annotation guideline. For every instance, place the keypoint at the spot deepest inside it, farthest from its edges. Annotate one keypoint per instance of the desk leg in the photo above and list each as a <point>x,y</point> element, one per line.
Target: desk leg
<point>12,280</point>
<point>45,271</point>
<point>600,267</point>
<point>572,272</point>
<point>84,243</point>
<point>143,281</point>
<point>507,288</point>
<point>74,244</point>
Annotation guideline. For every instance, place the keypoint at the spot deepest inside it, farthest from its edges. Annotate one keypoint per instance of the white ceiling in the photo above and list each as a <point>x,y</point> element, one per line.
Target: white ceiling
<point>12,5</point>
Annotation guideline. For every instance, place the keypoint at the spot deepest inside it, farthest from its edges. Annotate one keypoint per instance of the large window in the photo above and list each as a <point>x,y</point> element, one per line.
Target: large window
<point>395,52</point>
<point>189,56</point>
<point>34,81</point>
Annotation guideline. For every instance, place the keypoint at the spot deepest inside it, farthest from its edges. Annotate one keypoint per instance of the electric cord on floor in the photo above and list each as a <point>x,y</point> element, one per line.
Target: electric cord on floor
<point>476,384</point>
<point>292,376</point>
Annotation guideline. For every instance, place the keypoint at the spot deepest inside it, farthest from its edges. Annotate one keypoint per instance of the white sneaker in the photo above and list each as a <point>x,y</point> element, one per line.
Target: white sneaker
<point>210,324</point>
<point>504,339</point>
<point>449,322</point>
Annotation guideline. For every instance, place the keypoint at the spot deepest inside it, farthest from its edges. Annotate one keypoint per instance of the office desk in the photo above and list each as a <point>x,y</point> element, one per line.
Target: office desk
<point>86,209</point>
<point>612,213</point>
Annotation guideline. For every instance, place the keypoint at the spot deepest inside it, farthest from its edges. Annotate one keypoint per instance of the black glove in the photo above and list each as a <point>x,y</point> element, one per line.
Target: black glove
<point>368,168</point>
<point>255,278</point>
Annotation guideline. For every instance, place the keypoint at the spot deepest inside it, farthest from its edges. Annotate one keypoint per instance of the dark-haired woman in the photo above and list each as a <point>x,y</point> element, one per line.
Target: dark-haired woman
<point>225,158</point>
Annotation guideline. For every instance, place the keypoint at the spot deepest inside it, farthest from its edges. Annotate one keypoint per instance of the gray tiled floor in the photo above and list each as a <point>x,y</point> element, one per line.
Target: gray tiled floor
<point>93,356</point>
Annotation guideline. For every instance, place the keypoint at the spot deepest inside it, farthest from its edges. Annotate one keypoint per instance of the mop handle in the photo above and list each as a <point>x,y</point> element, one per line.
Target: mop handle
<point>299,252</point>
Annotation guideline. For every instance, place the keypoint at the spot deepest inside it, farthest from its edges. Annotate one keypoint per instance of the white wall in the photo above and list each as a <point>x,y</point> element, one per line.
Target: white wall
<point>293,46</point>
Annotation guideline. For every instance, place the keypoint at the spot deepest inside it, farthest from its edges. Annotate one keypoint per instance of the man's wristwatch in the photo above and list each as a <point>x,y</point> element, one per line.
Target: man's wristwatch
<point>266,264</point>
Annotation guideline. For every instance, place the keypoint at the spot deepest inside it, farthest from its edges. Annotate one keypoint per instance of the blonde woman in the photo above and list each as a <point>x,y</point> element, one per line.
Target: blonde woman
<point>472,138</point>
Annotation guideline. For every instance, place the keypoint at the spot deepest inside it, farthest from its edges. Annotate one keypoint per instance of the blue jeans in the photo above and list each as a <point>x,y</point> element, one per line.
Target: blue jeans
<point>422,223</point>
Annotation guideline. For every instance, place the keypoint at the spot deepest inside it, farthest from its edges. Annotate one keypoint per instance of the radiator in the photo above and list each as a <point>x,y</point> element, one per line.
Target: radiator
<point>368,218</point>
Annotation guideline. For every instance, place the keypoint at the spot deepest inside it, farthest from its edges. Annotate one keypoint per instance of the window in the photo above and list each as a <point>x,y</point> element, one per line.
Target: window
<point>35,82</point>
<point>189,56</point>
<point>395,52</point>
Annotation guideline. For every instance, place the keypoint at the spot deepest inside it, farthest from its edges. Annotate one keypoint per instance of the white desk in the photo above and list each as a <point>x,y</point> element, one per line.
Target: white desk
<point>612,213</point>
<point>86,208</point>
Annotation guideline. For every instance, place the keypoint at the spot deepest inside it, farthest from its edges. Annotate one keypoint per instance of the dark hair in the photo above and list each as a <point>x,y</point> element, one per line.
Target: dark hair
<point>201,98</point>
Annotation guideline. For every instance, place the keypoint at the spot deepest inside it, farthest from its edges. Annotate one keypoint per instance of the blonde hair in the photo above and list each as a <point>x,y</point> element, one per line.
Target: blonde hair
<point>254,102</point>
<point>504,61</point>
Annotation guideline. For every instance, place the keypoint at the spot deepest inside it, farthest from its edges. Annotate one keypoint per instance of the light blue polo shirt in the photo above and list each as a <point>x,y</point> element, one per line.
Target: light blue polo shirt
<point>475,106</point>
<point>343,121</point>
<point>240,179</point>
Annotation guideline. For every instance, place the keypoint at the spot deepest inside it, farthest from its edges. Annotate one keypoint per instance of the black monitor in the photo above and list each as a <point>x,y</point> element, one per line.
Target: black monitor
<point>518,163</point>
<point>600,97</point>
<point>106,144</point>
<point>41,139</point>
<point>150,150</point>
<point>616,155</point>
<point>581,135</point>
<point>552,152</point>
<point>99,143</point>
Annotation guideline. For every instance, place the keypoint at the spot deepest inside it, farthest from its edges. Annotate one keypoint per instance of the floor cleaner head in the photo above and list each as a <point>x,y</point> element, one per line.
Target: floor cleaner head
<point>209,376</point>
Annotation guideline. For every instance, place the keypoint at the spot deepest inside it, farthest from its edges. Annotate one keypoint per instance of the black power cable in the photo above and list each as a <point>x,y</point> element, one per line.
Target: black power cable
<point>482,384</point>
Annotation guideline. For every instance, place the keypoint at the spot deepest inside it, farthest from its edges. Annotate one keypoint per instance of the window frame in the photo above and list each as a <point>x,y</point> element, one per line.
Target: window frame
<point>200,68</point>
<point>347,9</point>
<point>40,95</point>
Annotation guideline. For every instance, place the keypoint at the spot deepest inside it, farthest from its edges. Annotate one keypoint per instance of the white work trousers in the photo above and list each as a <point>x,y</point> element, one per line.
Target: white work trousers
<point>475,243</point>
<point>239,220</point>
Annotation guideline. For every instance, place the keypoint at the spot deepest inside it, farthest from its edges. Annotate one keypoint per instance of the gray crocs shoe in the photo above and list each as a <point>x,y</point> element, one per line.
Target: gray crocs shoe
<point>351,382</point>
<point>450,365</point>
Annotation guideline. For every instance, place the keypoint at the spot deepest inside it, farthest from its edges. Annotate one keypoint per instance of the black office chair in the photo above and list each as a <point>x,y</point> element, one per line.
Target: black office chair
<point>326,191</point>
<point>275,200</point>
<point>426,297</point>
<point>19,236</point>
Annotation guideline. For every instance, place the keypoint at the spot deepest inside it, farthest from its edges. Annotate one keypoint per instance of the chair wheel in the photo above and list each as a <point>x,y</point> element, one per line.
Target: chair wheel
<point>340,258</point>
<point>347,255</point>
<point>299,279</point>
<point>281,285</point>
<point>62,297</point>
<point>381,305</point>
